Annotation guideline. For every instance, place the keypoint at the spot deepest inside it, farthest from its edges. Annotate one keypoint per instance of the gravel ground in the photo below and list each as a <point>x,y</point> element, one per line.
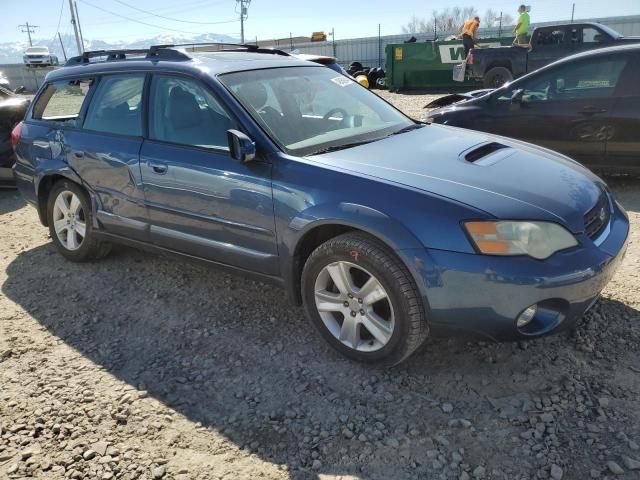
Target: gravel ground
<point>411,103</point>
<point>144,366</point>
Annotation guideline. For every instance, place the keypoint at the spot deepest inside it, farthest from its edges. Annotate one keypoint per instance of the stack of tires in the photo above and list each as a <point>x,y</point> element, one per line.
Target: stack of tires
<point>367,77</point>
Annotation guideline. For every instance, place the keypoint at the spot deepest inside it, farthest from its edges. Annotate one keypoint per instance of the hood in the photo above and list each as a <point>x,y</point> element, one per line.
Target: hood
<point>506,178</point>
<point>457,97</point>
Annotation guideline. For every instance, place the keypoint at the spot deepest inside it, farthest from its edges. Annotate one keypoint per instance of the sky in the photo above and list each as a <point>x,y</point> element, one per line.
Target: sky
<point>112,20</point>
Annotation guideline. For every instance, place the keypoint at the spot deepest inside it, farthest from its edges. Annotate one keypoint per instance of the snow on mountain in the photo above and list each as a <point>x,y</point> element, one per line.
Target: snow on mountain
<point>11,52</point>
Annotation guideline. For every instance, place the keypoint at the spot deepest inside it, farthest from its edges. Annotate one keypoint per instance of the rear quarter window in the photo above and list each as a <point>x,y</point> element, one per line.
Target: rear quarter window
<point>62,101</point>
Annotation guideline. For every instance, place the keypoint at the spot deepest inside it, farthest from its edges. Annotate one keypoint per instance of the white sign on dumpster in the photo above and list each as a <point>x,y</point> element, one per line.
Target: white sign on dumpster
<point>454,52</point>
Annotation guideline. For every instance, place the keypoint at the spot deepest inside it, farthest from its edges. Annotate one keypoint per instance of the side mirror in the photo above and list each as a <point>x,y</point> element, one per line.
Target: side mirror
<point>517,96</point>
<point>242,148</point>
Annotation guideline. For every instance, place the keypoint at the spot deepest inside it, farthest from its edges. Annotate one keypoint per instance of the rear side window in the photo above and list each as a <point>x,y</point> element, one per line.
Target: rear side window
<point>116,105</point>
<point>62,101</point>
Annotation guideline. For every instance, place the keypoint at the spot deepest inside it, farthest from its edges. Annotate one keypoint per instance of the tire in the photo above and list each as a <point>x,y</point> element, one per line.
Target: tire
<point>393,324</point>
<point>496,77</point>
<point>65,225</point>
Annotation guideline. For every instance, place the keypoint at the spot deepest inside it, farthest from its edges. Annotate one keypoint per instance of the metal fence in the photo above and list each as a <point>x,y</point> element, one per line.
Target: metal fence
<point>370,50</point>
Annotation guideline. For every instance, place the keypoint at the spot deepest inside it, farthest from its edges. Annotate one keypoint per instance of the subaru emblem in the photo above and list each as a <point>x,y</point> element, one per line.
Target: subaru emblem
<point>603,214</point>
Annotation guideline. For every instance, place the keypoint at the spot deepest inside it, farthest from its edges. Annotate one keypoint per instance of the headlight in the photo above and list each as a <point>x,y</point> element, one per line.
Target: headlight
<point>537,239</point>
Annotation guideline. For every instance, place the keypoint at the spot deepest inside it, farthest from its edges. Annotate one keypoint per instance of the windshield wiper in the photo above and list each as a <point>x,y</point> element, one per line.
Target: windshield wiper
<point>408,128</point>
<point>343,146</point>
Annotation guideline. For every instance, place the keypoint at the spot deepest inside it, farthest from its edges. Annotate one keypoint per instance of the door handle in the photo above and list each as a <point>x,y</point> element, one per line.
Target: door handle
<point>592,110</point>
<point>78,153</point>
<point>158,167</point>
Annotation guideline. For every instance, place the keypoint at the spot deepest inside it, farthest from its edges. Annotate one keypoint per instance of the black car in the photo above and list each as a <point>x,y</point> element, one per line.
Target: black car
<point>499,65</point>
<point>586,106</point>
<point>12,109</point>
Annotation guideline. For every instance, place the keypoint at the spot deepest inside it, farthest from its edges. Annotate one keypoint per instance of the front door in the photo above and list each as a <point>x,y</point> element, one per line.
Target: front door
<point>201,201</point>
<point>567,109</point>
<point>623,146</point>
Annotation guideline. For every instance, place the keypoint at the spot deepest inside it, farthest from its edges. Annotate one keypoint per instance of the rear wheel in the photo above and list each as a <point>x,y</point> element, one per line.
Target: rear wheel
<point>363,300</point>
<point>70,218</point>
<point>496,77</point>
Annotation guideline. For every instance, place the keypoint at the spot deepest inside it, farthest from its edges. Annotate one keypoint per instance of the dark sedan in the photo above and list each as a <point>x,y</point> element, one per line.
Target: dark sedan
<point>586,106</point>
<point>12,108</point>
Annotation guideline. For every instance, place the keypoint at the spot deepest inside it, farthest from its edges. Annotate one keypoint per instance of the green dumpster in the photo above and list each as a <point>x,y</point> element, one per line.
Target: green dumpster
<point>429,65</point>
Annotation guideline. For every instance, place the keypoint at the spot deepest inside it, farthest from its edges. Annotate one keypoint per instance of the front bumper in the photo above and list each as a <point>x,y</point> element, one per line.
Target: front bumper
<point>484,295</point>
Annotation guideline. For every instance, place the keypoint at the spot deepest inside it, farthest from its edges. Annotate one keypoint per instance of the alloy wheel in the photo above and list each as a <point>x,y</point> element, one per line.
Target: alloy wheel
<point>69,220</point>
<point>354,306</point>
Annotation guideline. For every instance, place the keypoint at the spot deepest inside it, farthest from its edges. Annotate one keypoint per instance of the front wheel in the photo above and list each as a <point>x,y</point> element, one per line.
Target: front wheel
<point>363,300</point>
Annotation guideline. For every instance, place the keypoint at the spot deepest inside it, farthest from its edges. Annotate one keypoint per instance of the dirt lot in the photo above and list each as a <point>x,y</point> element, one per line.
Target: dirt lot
<point>141,366</point>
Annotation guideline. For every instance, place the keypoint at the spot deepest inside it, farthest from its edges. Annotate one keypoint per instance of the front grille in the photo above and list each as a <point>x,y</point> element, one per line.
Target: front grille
<point>597,219</point>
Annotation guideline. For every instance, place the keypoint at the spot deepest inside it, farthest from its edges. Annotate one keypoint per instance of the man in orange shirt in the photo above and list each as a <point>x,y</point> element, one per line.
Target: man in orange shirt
<point>469,33</point>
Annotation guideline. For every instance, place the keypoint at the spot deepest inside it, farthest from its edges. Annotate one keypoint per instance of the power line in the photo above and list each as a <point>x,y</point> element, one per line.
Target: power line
<point>169,18</point>
<point>145,23</point>
<point>29,30</point>
<point>59,19</point>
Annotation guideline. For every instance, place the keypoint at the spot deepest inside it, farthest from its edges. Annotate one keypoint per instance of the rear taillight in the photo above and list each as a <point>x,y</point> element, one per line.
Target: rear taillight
<point>15,135</point>
<point>470,58</point>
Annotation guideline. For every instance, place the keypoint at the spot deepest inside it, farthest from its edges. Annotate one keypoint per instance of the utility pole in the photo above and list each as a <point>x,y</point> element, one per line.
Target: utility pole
<point>75,4</point>
<point>62,46</point>
<point>379,46</point>
<point>333,40</point>
<point>29,30</point>
<point>500,26</point>
<point>244,6</point>
<point>75,28</point>
<point>573,10</point>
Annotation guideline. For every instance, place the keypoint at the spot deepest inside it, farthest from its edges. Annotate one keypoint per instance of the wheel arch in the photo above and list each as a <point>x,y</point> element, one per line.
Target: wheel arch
<point>44,185</point>
<point>499,63</point>
<point>304,236</point>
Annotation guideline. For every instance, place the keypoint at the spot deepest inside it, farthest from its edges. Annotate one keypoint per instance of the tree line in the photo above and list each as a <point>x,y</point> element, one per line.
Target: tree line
<point>451,19</point>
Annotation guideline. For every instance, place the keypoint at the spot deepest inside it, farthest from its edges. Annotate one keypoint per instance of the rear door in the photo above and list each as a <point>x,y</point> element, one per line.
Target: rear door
<point>623,145</point>
<point>566,108</point>
<point>548,45</point>
<point>105,153</point>
<point>201,201</point>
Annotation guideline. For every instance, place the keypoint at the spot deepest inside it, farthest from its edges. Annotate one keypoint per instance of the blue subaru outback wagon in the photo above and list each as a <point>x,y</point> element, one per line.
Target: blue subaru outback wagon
<point>383,228</point>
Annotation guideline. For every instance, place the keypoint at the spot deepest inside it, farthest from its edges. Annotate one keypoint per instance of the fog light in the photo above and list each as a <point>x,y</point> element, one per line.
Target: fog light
<point>525,317</point>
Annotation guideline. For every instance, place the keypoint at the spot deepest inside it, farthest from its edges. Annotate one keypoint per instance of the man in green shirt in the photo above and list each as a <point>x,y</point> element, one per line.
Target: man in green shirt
<point>522,27</point>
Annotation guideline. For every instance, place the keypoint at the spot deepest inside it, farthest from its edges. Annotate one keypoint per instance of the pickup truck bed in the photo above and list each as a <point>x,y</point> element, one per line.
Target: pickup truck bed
<point>499,65</point>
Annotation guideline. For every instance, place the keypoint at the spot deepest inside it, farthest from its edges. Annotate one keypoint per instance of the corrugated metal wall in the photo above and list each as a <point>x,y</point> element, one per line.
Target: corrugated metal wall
<point>370,50</point>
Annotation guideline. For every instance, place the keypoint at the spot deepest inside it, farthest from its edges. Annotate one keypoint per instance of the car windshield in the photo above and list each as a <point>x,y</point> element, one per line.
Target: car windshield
<point>37,50</point>
<point>310,110</point>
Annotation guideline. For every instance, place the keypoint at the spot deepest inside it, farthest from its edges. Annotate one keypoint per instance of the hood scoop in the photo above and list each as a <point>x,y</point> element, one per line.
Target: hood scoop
<point>485,154</point>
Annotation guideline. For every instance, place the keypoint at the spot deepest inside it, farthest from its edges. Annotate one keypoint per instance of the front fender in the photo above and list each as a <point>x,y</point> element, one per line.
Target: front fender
<point>352,215</point>
<point>343,214</point>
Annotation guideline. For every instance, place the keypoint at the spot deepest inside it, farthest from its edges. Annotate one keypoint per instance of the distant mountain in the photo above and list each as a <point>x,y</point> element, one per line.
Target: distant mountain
<point>11,52</point>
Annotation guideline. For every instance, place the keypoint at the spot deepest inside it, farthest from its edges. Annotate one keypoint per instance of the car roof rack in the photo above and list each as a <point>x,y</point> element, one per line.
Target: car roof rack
<point>169,52</point>
<point>223,47</point>
<point>124,54</point>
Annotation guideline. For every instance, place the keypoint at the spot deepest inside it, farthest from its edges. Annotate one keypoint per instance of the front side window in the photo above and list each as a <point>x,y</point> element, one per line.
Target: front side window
<point>309,109</point>
<point>62,101</point>
<point>592,35</point>
<point>573,81</point>
<point>116,105</point>
<point>181,111</point>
